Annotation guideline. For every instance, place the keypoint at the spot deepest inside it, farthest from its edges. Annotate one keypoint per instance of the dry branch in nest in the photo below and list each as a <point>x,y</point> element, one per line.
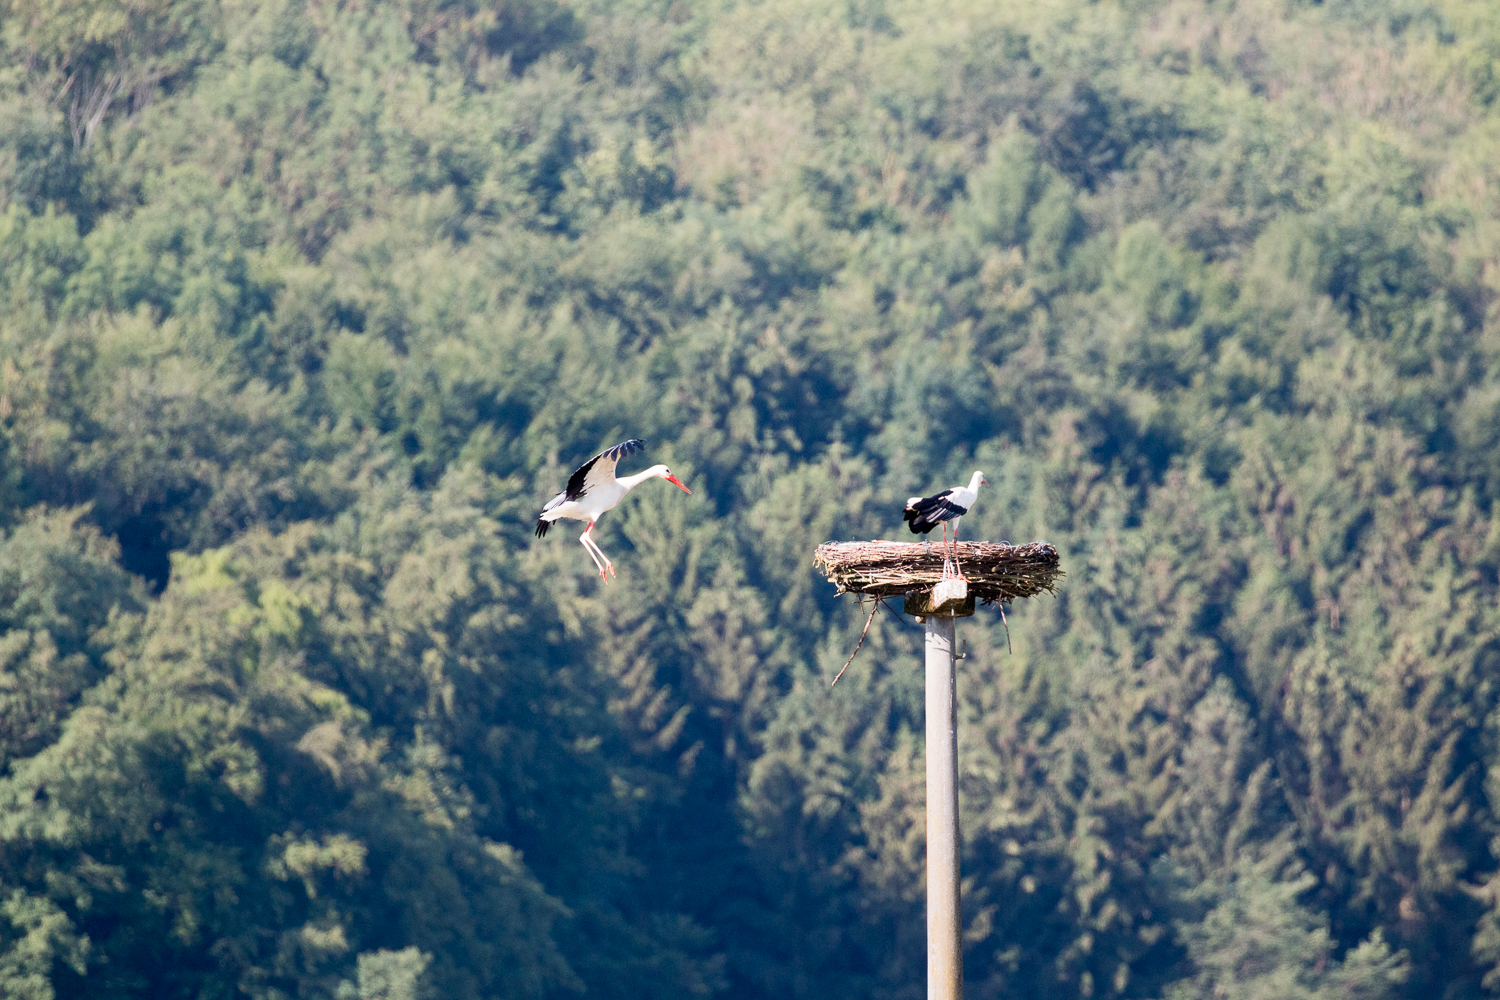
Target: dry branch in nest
<point>995,572</point>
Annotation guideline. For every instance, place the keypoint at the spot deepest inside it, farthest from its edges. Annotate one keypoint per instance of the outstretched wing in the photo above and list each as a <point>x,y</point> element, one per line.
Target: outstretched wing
<point>600,469</point>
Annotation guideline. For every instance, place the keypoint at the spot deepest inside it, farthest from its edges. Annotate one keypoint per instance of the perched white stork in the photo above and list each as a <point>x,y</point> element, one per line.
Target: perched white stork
<point>923,514</point>
<point>593,489</point>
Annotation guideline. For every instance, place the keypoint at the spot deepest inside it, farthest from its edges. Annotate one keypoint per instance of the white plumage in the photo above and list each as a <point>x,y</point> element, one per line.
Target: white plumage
<point>922,514</point>
<point>592,490</point>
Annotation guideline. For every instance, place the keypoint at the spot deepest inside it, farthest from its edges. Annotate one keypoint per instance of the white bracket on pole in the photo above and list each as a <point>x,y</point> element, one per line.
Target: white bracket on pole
<point>951,599</point>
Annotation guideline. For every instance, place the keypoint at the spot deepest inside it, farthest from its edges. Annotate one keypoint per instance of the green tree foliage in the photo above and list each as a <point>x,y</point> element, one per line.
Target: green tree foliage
<point>307,307</point>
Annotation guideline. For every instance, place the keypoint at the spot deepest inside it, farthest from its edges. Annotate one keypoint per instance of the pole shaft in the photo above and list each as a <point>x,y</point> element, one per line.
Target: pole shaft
<point>945,974</point>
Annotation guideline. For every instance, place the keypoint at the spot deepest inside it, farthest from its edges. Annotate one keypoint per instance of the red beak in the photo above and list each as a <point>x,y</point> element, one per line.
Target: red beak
<point>678,483</point>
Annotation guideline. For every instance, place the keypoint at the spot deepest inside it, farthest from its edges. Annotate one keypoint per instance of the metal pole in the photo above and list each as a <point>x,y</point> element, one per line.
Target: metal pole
<point>945,971</point>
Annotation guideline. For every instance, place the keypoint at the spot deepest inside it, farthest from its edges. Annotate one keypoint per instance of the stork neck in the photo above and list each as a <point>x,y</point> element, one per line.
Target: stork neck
<point>631,482</point>
<point>974,482</point>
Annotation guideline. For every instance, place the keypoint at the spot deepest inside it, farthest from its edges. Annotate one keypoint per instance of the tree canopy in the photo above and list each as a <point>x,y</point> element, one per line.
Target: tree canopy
<point>307,306</point>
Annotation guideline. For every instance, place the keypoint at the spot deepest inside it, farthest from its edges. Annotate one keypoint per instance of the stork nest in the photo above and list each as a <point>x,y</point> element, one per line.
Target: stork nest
<point>995,572</point>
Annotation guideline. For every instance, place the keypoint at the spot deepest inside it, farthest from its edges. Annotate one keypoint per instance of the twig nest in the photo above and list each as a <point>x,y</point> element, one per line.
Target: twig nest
<point>995,572</point>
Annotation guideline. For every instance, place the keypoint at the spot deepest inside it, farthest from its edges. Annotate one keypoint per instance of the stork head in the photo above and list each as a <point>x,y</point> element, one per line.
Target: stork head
<point>977,481</point>
<point>665,473</point>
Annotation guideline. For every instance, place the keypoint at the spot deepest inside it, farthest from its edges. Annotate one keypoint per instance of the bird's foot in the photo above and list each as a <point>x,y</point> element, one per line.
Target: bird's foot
<point>611,568</point>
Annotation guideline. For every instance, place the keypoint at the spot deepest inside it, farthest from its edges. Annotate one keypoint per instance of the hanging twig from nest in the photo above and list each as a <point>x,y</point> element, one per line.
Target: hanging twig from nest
<point>879,602</point>
<point>1007,630</point>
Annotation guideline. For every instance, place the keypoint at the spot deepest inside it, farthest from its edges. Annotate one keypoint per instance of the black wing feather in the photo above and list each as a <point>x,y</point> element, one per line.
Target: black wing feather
<point>574,488</point>
<point>929,512</point>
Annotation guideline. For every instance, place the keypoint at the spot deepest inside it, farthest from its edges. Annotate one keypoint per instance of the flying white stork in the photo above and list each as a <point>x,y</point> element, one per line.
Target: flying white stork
<point>923,514</point>
<point>593,489</point>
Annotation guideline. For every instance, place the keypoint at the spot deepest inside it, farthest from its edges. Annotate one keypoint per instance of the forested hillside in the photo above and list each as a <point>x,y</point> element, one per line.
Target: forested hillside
<point>307,306</point>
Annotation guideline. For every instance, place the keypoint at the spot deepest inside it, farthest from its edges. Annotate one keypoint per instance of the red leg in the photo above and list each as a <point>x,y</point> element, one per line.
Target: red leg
<point>956,567</point>
<point>608,569</point>
<point>592,549</point>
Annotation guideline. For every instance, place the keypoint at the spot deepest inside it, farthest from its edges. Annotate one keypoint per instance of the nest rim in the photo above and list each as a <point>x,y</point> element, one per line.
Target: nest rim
<point>995,571</point>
